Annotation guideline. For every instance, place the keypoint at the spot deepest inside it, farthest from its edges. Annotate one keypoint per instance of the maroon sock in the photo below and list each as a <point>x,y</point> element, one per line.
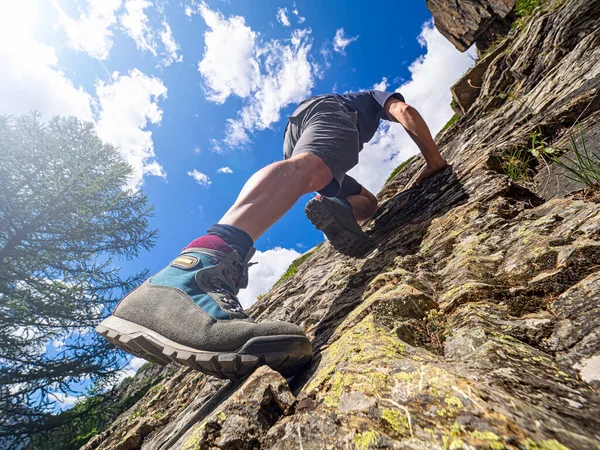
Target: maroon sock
<point>211,242</point>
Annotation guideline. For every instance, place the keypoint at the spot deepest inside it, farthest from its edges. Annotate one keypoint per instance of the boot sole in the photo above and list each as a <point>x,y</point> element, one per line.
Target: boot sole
<point>347,242</point>
<point>285,353</point>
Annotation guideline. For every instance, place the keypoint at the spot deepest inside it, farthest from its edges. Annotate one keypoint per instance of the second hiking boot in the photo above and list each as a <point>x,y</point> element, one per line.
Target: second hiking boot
<point>335,219</point>
<point>189,313</point>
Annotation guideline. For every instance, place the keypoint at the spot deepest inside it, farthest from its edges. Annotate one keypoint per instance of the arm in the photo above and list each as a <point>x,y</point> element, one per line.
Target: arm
<point>417,129</point>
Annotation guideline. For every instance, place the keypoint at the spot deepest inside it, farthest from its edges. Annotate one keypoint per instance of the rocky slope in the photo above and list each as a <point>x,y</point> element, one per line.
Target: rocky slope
<point>476,322</point>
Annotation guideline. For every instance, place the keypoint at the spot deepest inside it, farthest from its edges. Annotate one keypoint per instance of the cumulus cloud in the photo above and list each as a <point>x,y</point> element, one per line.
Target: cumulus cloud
<point>340,41</point>
<point>171,46</point>
<point>282,17</point>
<point>127,105</point>
<point>64,401</point>
<point>428,91</point>
<point>201,179</point>
<point>300,18</point>
<point>135,22</point>
<point>131,368</point>
<point>31,79</point>
<point>267,75</point>
<point>225,170</point>
<point>262,276</point>
<point>229,66</point>
<point>382,85</point>
<point>91,32</point>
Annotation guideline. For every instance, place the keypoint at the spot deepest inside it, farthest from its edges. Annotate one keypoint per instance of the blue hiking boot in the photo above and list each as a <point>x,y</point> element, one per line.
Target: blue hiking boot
<point>334,217</point>
<point>189,313</point>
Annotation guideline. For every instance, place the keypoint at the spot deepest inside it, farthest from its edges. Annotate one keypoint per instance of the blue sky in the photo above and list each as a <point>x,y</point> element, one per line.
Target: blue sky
<point>196,94</point>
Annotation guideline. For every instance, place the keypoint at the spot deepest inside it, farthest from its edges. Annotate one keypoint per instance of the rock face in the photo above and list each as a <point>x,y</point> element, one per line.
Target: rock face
<point>476,322</point>
<point>462,22</point>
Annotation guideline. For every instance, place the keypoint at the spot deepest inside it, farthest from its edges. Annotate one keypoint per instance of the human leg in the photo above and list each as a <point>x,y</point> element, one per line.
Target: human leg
<point>189,311</point>
<point>257,208</point>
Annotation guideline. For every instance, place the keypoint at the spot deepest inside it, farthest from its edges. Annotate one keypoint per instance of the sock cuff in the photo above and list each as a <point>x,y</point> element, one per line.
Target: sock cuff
<point>234,236</point>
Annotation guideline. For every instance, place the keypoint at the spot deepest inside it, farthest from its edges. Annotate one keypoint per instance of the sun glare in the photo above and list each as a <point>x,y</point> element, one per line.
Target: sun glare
<point>18,17</point>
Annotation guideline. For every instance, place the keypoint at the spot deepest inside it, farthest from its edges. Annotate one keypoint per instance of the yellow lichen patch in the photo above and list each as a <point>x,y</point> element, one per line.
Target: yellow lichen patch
<point>195,440</point>
<point>492,439</point>
<point>365,440</point>
<point>404,377</point>
<point>222,416</point>
<point>338,383</point>
<point>453,401</point>
<point>397,420</point>
<point>550,444</point>
<point>362,344</point>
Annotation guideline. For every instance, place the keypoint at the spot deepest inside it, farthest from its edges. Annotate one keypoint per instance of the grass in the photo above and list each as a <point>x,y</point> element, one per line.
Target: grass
<point>293,268</point>
<point>584,167</point>
<point>516,164</point>
<point>451,122</point>
<point>397,170</point>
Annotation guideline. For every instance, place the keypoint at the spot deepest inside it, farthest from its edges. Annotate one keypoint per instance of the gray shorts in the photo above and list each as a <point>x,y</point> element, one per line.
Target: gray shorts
<point>324,127</point>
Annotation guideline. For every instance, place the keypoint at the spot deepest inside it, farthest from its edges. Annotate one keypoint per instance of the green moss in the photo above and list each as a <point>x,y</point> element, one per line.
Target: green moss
<point>396,419</point>
<point>451,122</point>
<point>397,170</point>
<point>365,440</point>
<point>524,8</point>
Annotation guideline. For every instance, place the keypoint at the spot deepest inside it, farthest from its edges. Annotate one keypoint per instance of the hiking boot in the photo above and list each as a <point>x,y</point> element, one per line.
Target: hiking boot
<point>189,313</point>
<point>332,216</point>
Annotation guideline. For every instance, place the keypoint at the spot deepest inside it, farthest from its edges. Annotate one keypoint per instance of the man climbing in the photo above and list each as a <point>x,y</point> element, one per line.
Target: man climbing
<point>189,311</point>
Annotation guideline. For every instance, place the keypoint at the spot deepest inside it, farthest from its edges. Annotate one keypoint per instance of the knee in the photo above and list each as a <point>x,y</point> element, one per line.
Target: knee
<point>315,173</point>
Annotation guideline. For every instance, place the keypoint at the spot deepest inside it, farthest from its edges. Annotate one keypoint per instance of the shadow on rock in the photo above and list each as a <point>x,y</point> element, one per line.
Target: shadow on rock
<point>398,228</point>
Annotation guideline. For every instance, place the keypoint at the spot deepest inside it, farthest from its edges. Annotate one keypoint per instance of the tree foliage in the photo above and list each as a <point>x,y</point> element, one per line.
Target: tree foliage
<point>66,217</point>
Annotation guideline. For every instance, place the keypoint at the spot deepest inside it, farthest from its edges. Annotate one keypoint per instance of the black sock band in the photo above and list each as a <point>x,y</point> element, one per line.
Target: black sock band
<point>235,237</point>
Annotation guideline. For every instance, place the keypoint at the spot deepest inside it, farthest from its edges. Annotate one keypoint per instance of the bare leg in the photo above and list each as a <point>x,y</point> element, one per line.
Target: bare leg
<point>273,190</point>
<point>364,205</point>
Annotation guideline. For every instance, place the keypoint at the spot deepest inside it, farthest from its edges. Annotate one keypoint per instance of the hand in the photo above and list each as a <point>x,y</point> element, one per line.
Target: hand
<point>430,169</point>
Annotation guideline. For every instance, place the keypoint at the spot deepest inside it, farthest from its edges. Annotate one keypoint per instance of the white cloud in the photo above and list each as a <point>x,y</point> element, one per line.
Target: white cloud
<point>340,42</point>
<point>64,401</point>
<point>298,16</point>
<point>31,78</point>
<point>382,85</point>
<point>136,25</point>
<point>127,104</point>
<point>171,46</point>
<point>225,170</point>
<point>428,91</point>
<point>229,66</point>
<point>262,276</point>
<point>282,17</point>
<point>131,368</point>
<point>91,33</point>
<point>201,179</point>
<point>268,76</point>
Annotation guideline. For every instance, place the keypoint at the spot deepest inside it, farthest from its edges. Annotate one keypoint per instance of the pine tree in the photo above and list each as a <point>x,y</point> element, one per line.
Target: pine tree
<point>66,218</point>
